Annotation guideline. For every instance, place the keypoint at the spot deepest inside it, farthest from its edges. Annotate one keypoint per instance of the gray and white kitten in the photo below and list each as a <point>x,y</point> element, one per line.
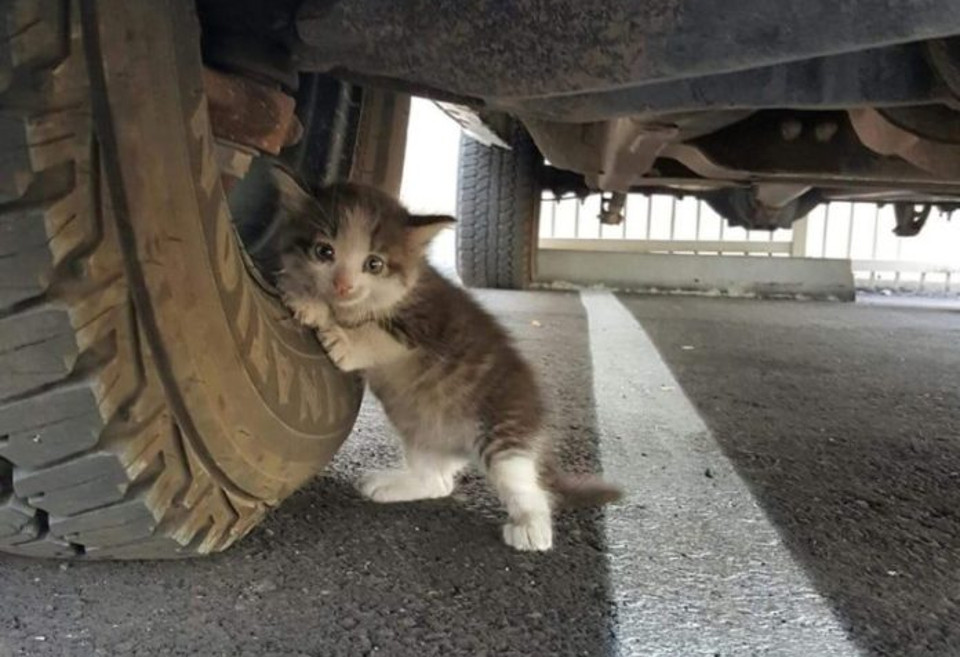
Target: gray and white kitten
<point>449,378</point>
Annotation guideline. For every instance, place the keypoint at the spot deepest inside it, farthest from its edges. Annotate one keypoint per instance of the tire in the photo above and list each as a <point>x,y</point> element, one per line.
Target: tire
<point>498,206</point>
<point>155,402</point>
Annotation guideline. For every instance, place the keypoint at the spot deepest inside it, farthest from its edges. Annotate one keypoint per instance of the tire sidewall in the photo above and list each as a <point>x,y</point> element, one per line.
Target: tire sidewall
<point>255,396</point>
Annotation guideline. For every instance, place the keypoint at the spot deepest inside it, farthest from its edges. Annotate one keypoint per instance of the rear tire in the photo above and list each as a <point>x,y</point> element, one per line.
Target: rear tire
<point>154,400</point>
<point>498,206</point>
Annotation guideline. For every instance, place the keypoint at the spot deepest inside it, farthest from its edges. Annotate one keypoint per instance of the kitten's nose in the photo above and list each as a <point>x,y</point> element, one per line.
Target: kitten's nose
<point>342,287</point>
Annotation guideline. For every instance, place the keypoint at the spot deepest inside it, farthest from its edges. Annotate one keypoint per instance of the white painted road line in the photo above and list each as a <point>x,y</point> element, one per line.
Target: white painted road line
<point>696,568</point>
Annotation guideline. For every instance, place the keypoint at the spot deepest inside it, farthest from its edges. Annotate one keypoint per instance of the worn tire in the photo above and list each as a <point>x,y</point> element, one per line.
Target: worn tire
<point>498,206</point>
<point>154,401</point>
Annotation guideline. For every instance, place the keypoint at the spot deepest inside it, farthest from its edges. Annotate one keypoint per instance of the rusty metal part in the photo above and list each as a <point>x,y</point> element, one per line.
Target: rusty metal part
<point>250,113</point>
<point>880,135</point>
<point>613,155</point>
<point>900,173</point>
<point>754,149</point>
<point>611,208</point>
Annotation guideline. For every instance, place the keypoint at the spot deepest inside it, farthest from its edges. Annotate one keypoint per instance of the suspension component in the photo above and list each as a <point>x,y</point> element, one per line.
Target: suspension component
<point>611,208</point>
<point>910,218</point>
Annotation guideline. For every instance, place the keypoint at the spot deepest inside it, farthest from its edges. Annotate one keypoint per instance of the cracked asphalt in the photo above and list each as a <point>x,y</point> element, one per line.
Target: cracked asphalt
<point>831,430</point>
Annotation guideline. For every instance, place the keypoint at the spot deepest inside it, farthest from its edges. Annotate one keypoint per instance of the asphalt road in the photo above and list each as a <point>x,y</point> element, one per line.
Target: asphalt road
<point>793,479</point>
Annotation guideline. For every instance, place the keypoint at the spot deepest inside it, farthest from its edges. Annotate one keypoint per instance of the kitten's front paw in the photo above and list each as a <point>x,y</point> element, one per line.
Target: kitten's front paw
<point>337,344</point>
<point>309,312</point>
<point>402,486</point>
<point>535,534</point>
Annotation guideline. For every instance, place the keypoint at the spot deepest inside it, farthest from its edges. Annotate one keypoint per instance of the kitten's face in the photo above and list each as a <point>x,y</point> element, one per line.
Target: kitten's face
<point>352,247</point>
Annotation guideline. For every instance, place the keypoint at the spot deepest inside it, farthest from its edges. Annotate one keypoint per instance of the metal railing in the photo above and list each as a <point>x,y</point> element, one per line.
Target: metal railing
<point>859,232</point>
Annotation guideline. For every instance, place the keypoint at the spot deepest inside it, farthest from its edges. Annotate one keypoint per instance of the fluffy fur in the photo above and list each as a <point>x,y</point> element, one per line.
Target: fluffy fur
<point>448,376</point>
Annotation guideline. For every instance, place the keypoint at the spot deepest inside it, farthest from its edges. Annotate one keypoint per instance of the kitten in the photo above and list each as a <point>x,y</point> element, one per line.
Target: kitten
<point>448,376</point>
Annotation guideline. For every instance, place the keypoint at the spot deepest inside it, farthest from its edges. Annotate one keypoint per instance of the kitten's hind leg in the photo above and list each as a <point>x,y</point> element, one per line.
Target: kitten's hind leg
<point>427,475</point>
<point>516,478</point>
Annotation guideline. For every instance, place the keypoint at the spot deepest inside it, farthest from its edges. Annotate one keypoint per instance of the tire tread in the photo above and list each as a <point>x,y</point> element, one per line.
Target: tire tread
<point>92,463</point>
<point>498,197</point>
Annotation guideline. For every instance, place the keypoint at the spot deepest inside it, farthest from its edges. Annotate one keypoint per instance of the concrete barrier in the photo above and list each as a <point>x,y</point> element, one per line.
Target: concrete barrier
<point>725,275</point>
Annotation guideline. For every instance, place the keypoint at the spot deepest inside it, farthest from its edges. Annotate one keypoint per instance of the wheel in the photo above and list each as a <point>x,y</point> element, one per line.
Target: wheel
<point>498,206</point>
<point>155,401</point>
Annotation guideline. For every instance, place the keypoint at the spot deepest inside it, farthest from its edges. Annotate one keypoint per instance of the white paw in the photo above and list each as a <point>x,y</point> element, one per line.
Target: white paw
<point>403,486</point>
<point>535,534</point>
<point>309,312</point>
<point>337,345</point>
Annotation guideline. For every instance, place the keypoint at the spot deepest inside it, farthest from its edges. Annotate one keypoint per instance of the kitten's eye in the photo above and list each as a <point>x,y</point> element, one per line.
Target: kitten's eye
<point>323,251</point>
<point>373,265</point>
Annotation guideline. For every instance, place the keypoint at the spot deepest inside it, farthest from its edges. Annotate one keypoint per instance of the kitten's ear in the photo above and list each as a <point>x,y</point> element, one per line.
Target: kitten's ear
<point>292,196</point>
<point>421,228</point>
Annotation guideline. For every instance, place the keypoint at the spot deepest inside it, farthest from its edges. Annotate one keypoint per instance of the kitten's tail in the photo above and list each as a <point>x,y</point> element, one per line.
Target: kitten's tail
<point>576,491</point>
